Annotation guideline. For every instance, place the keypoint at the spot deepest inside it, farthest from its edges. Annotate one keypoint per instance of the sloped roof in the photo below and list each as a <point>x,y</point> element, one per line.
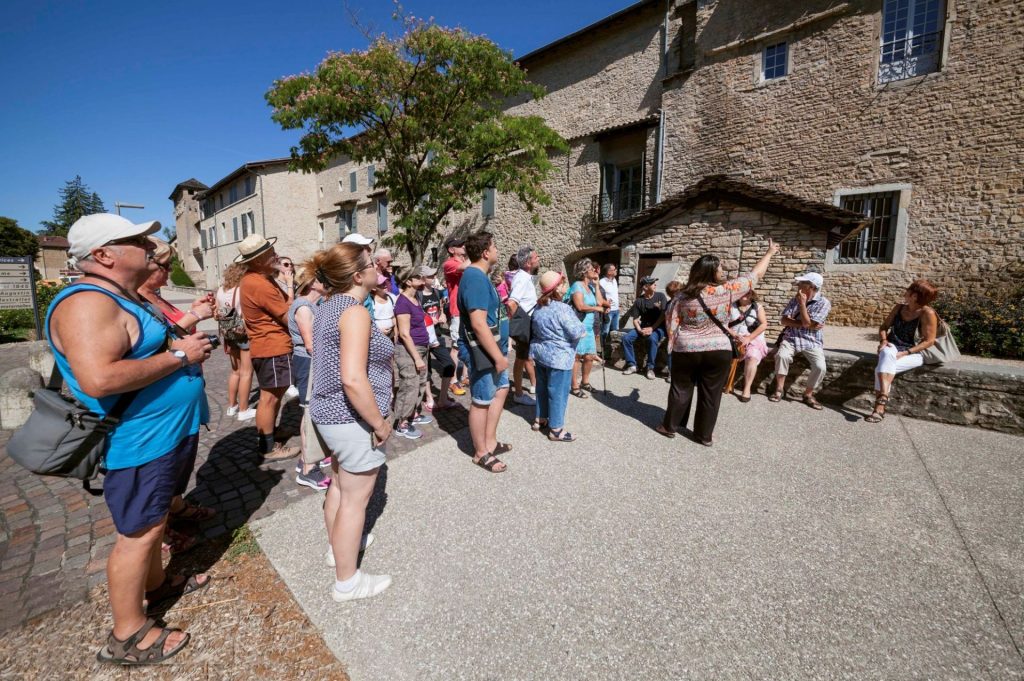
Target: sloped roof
<point>242,170</point>
<point>191,183</point>
<point>534,55</point>
<point>50,241</point>
<point>837,222</point>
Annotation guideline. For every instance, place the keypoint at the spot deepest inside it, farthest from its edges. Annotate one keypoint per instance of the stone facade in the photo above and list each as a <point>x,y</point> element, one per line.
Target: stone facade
<point>52,261</point>
<point>947,145</point>
<point>278,203</point>
<point>186,228</point>
<point>342,210</point>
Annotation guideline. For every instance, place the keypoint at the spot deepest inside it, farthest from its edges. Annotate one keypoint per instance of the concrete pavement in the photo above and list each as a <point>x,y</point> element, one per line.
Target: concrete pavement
<point>802,545</point>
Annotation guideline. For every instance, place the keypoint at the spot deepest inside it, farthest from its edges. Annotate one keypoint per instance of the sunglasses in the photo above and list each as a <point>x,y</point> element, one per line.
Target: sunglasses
<point>286,264</point>
<point>165,266</point>
<point>140,241</point>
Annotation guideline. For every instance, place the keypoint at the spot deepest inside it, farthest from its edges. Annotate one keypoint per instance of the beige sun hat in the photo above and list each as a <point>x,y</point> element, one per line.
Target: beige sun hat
<point>253,246</point>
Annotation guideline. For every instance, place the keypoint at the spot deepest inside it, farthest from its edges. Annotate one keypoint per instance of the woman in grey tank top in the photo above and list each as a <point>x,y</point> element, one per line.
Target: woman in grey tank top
<point>351,416</point>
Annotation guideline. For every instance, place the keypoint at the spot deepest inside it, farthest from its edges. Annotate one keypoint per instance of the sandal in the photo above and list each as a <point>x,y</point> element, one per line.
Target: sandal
<point>662,430</point>
<point>489,462</point>
<point>502,448</point>
<point>172,589</point>
<point>560,435</point>
<point>775,397</point>
<point>194,513</point>
<point>876,416</point>
<point>579,393</point>
<point>812,403</point>
<point>127,652</point>
<point>177,542</point>
<point>586,386</point>
<point>539,424</point>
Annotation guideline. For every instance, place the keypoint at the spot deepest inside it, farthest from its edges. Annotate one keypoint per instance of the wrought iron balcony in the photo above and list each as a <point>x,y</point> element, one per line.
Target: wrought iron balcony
<point>618,205</point>
<point>910,56</point>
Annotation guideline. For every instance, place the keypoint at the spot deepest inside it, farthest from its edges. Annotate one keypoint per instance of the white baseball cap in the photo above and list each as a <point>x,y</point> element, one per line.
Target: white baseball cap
<point>812,278</point>
<point>357,239</point>
<point>99,229</point>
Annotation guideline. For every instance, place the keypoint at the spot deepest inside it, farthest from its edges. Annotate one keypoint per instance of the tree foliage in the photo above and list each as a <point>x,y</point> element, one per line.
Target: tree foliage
<point>428,106</point>
<point>75,201</point>
<point>17,241</point>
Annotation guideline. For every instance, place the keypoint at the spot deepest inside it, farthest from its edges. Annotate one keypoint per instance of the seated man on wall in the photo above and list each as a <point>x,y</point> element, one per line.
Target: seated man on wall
<point>648,315</point>
<point>803,319</point>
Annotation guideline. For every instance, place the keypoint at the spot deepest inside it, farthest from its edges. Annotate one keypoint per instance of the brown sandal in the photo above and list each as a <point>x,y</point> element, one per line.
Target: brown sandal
<point>877,415</point>
<point>194,513</point>
<point>489,462</point>
<point>128,654</point>
<point>173,589</point>
<point>775,397</point>
<point>812,403</point>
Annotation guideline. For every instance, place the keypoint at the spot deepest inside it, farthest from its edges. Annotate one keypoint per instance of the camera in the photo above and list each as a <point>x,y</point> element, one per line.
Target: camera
<point>214,340</point>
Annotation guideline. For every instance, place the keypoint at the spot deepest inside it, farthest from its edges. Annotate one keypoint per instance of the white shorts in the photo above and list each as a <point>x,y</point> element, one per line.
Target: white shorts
<point>349,444</point>
<point>453,329</point>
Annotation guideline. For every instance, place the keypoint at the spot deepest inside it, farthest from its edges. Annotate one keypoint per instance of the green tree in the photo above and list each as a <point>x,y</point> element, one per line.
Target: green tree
<point>17,241</point>
<point>428,106</point>
<point>75,201</point>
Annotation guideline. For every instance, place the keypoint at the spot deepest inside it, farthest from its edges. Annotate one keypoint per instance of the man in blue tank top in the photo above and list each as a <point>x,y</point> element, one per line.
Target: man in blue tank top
<point>107,342</point>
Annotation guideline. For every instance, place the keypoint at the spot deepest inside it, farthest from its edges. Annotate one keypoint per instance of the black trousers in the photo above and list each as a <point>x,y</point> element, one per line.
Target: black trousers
<point>440,360</point>
<point>708,372</point>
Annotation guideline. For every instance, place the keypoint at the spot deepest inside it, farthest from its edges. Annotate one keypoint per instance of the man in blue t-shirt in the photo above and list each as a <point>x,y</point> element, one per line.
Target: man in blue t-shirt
<point>483,345</point>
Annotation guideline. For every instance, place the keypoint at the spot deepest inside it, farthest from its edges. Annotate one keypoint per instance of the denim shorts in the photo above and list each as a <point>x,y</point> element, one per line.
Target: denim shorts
<point>484,385</point>
<point>140,496</point>
<point>300,376</point>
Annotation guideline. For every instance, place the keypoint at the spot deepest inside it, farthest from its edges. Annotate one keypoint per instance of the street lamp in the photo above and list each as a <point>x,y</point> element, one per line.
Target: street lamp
<point>119,206</point>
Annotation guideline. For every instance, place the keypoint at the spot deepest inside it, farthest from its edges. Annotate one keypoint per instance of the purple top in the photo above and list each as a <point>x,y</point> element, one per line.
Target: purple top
<point>417,327</point>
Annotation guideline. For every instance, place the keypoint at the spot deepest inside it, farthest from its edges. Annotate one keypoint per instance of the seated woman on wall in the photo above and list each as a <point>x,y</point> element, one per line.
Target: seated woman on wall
<point>750,321</point>
<point>909,329</point>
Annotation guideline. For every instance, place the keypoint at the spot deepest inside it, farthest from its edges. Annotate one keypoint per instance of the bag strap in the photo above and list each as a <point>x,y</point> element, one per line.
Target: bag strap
<point>715,319</point>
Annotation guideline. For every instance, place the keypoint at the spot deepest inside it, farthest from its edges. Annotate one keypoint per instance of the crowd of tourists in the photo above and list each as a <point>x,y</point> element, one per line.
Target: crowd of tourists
<point>356,341</point>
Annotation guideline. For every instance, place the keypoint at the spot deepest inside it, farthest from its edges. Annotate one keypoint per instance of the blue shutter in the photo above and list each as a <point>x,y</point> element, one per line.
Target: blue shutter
<point>234,228</point>
<point>352,181</point>
<point>487,209</point>
<point>382,214</point>
<point>370,170</point>
<point>202,237</point>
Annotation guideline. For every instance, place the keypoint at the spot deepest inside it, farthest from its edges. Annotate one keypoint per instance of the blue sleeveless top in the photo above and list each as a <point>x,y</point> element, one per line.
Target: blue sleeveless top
<point>163,413</point>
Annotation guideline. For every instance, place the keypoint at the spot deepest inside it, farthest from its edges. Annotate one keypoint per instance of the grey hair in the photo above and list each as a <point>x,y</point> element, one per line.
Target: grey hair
<point>524,254</point>
<point>381,252</point>
<point>581,267</point>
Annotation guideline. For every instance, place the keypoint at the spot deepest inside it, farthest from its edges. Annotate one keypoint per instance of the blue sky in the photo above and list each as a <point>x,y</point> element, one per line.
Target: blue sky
<point>138,96</point>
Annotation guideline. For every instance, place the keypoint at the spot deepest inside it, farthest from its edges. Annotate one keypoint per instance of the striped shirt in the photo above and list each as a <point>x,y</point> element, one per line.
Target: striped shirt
<point>818,308</point>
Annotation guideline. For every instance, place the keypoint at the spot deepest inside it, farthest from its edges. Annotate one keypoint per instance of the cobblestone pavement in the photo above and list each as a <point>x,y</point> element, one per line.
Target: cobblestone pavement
<point>55,537</point>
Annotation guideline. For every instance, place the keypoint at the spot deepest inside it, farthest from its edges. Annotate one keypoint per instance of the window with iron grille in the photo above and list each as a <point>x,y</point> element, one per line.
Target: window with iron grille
<point>911,38</point>
<point>874,243</point>
<point>773,62</point>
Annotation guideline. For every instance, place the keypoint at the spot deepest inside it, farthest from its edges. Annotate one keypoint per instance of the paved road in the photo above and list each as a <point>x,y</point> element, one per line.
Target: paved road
<point>803,545</point>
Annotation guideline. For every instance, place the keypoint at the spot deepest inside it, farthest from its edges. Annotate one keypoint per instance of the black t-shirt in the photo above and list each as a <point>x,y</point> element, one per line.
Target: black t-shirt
<point>430,301</point>
<point>648,309</point>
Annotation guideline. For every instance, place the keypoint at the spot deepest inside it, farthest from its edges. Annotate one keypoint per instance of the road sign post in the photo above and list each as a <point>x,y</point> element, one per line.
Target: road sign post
<point>18,287</point>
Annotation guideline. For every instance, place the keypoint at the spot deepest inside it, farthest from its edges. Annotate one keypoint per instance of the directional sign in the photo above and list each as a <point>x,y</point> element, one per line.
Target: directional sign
<point>17,286</point>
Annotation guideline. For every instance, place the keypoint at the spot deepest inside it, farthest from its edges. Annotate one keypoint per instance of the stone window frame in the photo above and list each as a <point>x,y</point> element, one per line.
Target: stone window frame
<point>788,40</point>
<point>899,251</point>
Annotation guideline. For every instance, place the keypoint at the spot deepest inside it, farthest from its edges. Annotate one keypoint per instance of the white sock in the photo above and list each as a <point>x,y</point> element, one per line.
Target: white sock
<point>344,585</point>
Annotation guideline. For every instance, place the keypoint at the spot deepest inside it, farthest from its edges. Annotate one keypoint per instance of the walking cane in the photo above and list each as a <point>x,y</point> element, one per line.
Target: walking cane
<point>604,355</point>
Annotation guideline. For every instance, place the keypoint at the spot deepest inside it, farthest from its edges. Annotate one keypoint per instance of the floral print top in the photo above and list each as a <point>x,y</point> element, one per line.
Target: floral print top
<point>556,329</point>
<point>691,330</point>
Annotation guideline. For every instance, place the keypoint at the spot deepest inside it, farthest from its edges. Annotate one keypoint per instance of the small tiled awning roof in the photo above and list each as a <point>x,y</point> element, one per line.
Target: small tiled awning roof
<point>644,121</point>
<point>48,241</point>
<point>838,223</point>
<point>191,183</point>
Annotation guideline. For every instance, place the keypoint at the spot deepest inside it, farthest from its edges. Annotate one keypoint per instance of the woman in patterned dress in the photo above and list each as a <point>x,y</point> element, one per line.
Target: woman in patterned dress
<point>350,407</point>
<point>701,350</point>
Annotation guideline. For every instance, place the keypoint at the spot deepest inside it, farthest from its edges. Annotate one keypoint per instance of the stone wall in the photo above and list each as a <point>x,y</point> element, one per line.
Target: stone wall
<point>188,241</point>
<point>955,136</point>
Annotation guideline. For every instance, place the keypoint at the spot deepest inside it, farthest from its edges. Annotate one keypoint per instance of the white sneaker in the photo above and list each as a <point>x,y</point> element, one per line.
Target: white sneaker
<point>292,392</point>
<point>363,545</point>
<point>530,389</point>
<point>231,411</point>
<point>366,586</point>
<point>249,413</point>
<point>524,399</point>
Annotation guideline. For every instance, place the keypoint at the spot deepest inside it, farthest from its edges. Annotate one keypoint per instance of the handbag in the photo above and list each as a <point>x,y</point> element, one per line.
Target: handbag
<point>232,325</point>
<point>481,360</point>
<point>62,437</point>
<point>733,343</point>
<point>944,350</point>
<point>520,326</point>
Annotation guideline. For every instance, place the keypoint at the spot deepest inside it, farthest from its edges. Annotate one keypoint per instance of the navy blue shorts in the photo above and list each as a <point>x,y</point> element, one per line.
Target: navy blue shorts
<point>139,497</point>
<point>300,376</point>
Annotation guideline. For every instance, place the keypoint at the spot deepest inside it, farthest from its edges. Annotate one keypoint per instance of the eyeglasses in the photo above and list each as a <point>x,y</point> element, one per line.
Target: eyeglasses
<point>139,240</point>
<point>165,266</point>
<point>286,264</point>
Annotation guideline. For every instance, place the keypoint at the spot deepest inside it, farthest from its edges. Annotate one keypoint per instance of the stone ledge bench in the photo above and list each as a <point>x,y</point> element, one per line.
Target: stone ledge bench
<point>962,393</point>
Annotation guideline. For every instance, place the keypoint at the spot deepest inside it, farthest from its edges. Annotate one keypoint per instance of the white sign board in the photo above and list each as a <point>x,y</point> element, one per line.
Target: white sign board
<point>17,285</point>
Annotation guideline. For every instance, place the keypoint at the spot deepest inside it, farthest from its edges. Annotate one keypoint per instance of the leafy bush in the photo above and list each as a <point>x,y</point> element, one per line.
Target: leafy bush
<point>15,323</point>
<point>179,277</point>
<point>990,324</point>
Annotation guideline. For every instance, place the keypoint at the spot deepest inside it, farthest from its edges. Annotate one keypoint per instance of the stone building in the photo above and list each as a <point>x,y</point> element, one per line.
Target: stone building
<point>909,113</point>
<point>260,197</point>
<point>186,228</point>
<point>52,261</point>
<point>348,202</point>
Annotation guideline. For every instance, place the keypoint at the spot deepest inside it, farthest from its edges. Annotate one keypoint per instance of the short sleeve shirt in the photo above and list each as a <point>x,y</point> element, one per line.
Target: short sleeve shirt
<point>523,291</point>
<point>452,277</point>
<point>477,293</point>
<point>417,328</point>
<point>265,309</point>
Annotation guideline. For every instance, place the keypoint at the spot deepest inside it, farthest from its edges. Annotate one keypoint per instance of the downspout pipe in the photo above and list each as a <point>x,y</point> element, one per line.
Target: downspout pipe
<point>661,112</point>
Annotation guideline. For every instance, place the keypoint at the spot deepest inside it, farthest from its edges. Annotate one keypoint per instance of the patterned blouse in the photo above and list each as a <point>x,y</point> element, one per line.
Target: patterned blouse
<point>693,329</point>
<point>329,403</point>
<point>556,330</point>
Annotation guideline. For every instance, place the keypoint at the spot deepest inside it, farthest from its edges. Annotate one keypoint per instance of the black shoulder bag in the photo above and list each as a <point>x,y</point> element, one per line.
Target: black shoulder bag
<point>732,340</point>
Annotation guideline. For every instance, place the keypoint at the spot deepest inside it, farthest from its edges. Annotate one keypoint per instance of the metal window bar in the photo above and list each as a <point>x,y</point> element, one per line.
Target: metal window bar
<point>910,56</point>
<point>874,243</point>
<point>621,204</point>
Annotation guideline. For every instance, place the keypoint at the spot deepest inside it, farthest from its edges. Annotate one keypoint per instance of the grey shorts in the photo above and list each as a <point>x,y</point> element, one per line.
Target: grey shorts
<point>349,444</point>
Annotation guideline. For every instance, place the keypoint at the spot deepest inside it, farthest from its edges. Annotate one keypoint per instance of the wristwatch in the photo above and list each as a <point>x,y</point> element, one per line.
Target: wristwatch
<point>182,357</point>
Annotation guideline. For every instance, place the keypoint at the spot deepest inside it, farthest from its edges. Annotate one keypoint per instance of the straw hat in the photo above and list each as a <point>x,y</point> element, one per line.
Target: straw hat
<point>253,246</point>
